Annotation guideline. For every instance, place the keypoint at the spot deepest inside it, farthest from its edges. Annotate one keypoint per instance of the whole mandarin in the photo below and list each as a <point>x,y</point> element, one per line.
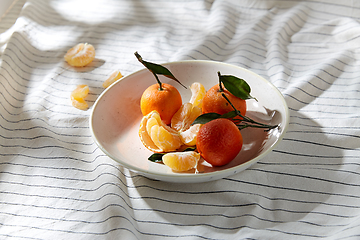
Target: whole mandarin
<point>219,141</point>
<point>214,102</point>
<point>166,101</point>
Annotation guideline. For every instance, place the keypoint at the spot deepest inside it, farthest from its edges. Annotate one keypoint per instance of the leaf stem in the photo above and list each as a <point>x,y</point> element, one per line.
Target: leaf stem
<point>254,123</point>
<point>156,77</point>
<point>158,80</point>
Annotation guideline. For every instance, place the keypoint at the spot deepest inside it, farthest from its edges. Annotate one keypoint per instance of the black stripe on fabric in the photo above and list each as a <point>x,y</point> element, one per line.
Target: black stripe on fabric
<point>161,235</point>
<point>180,202</point>
<point>150,222</point>
<point>293,175</point>
<point>294,189</point>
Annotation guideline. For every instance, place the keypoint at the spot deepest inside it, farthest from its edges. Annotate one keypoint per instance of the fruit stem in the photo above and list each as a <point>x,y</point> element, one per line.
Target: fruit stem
<point>220,85</point>
<point>254,123</point>
<point>158,80</point>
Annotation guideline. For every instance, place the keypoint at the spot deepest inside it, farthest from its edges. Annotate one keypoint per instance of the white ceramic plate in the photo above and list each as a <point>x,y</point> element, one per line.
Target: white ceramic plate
<point>116,116</point>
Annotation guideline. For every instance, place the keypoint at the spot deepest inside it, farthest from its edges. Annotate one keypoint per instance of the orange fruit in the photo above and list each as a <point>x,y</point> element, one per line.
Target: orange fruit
<point>197,94</point>
<point>166,102</point>
<point>219,141</point>
<point>181,161</point>
<point>80,55</point>
<point>214,102</point>
<point>113,77</point>
<point>156,135</point>
<point>78,95</point>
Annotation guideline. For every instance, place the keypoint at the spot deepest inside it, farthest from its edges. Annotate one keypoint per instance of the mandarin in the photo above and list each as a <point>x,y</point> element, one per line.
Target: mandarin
<point>197,94</point>
<point>181,161</point>
<point>188,137</point>
<point>113,77</point>
<point>214,102</point>
<point>156,135</point>
<point>185,116</point>
<point>80,55</point>
<point>219,141</point>
<point>78,96</point>
<point>166,101</point>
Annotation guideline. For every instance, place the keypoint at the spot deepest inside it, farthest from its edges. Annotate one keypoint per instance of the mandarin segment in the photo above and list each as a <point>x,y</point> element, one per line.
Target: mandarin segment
<point>113,77</point>
<point>164,139</point>
<point>145,137</point>
<point>188,137</point>
<point>80,55</point>
<point>185,116</point>
<point>80,92</point>
<point>78,96</point>
<point>156,135</point>
<point>197,94</point>
<point>179,119</point>
<point>181,161</point>
<point>79,103</point>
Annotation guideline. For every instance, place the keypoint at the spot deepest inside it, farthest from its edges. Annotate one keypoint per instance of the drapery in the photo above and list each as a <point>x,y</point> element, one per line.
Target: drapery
<point>55,183</point>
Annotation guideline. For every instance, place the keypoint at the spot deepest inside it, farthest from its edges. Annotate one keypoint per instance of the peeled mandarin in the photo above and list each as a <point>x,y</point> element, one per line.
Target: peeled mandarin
<point>80,55</point>
<point>156,135</point>
<point>181,161</point>
<point>164,139</point>
<point>78,96</point>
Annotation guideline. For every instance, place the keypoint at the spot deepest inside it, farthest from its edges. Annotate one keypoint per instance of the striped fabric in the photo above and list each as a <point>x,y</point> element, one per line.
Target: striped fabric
<point>55,183</point>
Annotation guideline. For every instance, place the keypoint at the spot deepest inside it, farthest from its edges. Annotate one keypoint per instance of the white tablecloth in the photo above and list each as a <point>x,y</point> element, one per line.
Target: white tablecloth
<point>55,183</point>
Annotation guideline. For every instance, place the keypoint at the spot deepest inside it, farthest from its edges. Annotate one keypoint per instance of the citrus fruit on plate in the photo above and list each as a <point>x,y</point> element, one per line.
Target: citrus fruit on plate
<point>115,120</point>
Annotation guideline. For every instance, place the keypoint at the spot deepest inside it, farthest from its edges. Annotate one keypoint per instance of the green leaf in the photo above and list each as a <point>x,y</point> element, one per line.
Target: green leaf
<point>231,114</point>
<point>237,86</point>
<point>156,157</point>
<point>206,117</point>
<point>157,69</point>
